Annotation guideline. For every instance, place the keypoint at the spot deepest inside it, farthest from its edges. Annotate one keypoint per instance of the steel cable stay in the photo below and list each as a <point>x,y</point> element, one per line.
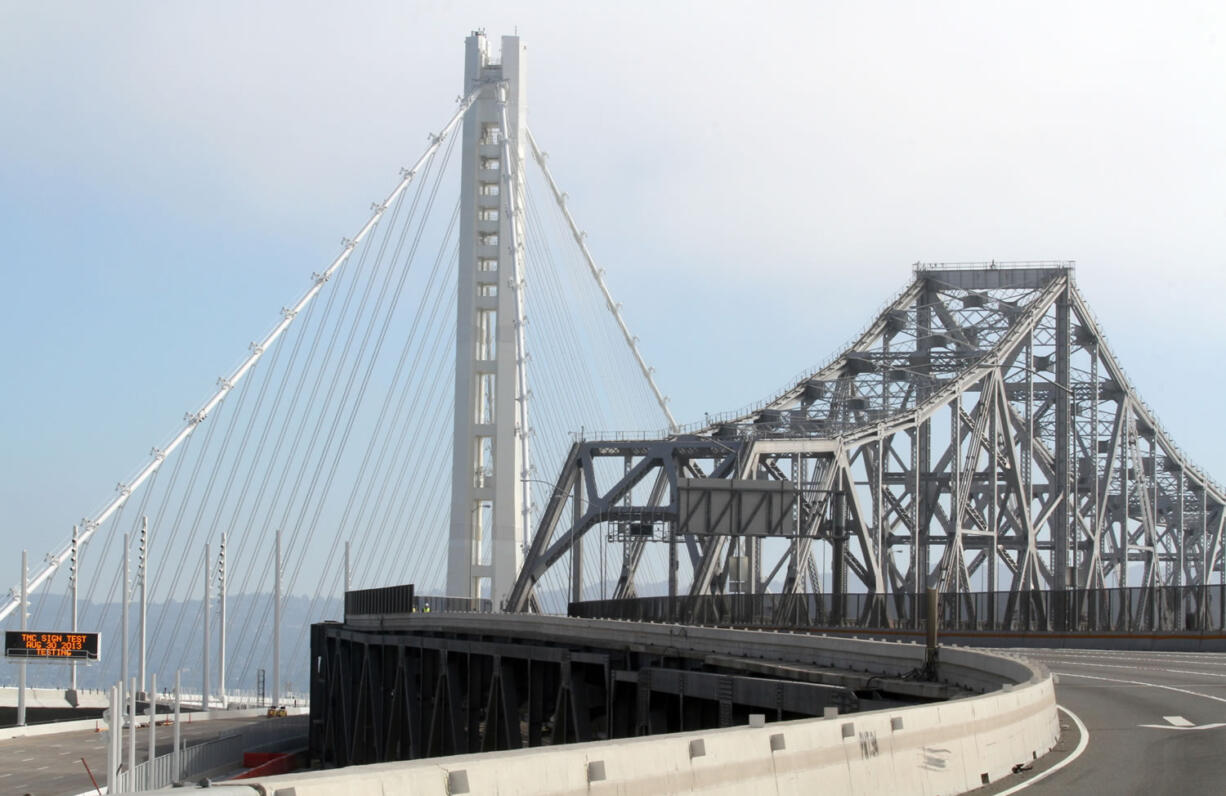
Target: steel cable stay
<point>585,292</point>
<point>549,414</point>
<point>554,343</point>
<point>257,599</point>
<point>650,565</point>
<point>328,480</point>
<point>630,340</point>
<point>267,429</point>
<point>546,411</point>
<point>183,556</point>
<point>296,535</point>
<point>371,361</point>
<point>94,581</point>
<point>564,335</point>
<point>261,389</point>
<point>372,463</point>
<point>127,592</point>
<point>313,371</point>
<point>65,604</point>
<point>552,414</point>
<point>421,398</point>
<point>198,456</point>
<point>333,377</point>
<point>416,481</point>
<point>240,402</point>
<point>409,429</point>
<point>407,491</point>
<point>550,411</point>
<point>551,285</point>
<point>405,485</point>
<point>285,424</point>
<point>615,387</point>
<point>293,370</point>
<point>175,472</point>
<point>186,552</point>
<point>367,505</point>
<point>57,559</point>
<point>298,532</point>
<point>288,419</point>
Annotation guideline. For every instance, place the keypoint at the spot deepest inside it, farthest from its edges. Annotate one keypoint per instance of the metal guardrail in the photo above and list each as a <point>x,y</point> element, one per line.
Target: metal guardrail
<point>277,735</point>
<point>1121,609</point>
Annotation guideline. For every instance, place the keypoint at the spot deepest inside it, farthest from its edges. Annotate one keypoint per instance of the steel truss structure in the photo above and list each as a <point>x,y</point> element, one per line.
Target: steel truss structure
<point>396,684</point>
<point>978,436</point>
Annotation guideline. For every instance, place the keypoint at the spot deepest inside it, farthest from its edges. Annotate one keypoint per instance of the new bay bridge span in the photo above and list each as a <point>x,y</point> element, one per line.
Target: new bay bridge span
<point>428,412</point>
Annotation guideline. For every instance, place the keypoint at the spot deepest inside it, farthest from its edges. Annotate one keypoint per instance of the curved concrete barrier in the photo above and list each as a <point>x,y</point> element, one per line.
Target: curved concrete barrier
<point>937,748</point>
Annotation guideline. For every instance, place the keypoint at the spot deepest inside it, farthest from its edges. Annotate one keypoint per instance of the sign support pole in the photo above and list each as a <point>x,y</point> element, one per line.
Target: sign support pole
<point>153,715</point>
<point>176,760</point>
<point>73,572</point>
<point>115,722</point>
<point>144,592</point>
<point>124,595</point>
<point>204,682</point>
<point>276,626</point>
<point>21,669</point>
<point>132,732</point>
<point>221,625</point>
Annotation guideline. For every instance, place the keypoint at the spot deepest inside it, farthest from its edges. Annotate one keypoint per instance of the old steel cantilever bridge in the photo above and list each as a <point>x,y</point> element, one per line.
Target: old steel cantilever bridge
<point>424,402</point>
<point>978,438</point>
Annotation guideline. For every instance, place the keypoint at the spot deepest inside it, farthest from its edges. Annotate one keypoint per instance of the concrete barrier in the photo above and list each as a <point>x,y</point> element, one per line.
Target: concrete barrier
<point>937,748</point>
<point>54,698</point>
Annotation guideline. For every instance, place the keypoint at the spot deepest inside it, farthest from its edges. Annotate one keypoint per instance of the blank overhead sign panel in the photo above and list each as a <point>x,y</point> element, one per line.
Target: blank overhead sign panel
<point>736,507</point>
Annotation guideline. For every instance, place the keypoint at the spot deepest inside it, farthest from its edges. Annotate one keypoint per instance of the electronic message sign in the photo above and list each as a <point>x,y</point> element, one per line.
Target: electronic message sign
<point>47,646</point>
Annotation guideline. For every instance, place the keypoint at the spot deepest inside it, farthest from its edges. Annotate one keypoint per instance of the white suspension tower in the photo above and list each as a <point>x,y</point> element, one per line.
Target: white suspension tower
<point>490,504</point>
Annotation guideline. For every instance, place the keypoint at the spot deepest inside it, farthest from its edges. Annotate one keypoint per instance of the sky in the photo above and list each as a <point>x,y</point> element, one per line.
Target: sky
<point>756,179</point>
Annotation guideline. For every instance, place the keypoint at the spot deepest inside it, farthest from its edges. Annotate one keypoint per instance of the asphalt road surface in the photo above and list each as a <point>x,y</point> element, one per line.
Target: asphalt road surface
<point>51,764</point>
<point>1155,723</point>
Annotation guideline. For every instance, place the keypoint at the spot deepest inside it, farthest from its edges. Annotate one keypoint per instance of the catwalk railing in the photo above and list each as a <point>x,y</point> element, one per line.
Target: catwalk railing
<point>1128,609</point>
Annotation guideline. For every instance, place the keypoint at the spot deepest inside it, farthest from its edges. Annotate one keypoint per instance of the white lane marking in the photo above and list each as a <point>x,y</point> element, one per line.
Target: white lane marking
<point>1134,668</point>
<point>1149,659</point>
<point>1208,658</point>
<point>1191,727</point>
<point>1081,747</point>
<point>1150,685</point>
<point>1178,721</point>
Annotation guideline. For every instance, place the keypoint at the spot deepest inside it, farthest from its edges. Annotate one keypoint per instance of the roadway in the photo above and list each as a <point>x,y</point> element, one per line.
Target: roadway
<point>50,765</point>
<point>1155,722</point>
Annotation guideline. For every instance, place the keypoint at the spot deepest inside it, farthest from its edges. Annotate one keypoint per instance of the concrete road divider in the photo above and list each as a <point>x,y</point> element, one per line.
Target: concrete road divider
<point>937,748</point>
